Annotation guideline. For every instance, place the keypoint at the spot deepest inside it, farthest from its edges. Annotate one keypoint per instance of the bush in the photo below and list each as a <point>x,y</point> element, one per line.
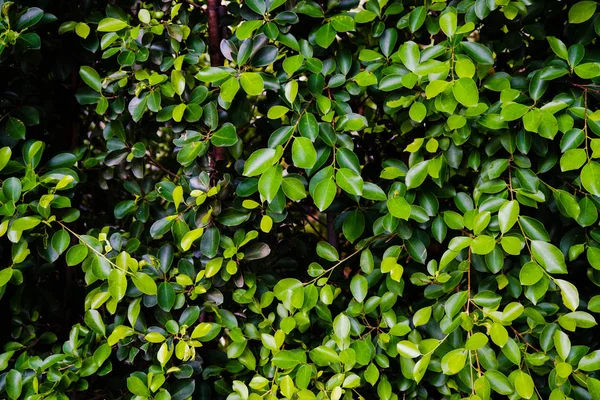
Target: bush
<point>300,199</point>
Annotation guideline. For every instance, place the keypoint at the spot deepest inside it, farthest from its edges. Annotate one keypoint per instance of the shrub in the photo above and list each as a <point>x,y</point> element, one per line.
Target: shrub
<point>300,199</point>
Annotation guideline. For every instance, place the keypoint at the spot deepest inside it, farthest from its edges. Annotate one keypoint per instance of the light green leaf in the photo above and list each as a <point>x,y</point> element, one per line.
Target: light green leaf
<point>465,92</point>
<point>582,11</point>
<point>117,284</point>
<point>549,257</point>
<point>569,293</point>
<point>259,162</point>
<point>448,23</point>
<point>399,207</point>
<point>325,35</point>
<point>304,154</point>
<point>590,178</point>
<point>252,83</point>
<point>349,181</point>
<point>270,182</point>
<point>508,215</point>
<point>111,25</point>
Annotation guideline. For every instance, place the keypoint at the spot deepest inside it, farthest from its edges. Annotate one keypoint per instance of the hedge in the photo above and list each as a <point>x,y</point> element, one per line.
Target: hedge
<point>299,199</point>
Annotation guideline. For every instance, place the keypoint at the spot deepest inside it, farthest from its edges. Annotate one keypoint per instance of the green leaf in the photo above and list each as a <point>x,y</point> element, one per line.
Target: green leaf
<point>342,23</point>
<point>323,356</point>
<point>91,78</point>
<point>508,215</point>
<point>373,192</point>
<point>483,244</point>
<point>324,194</point>
<point>12,189</point>
<point>287,359</point>
<point>210,241</point>
<point>259,162</point>
<point>15,128</point>
<point>562,344</point>
<point>308,126</point>
<point>514,111</point>
<point>499,382</point>
<point>410,55</point>
<point>349,181</point>
<point>359,287</point>
<point>137,387</point>
<point>408,349</point>
<point>14,384</point>
<point>588,70</point>
<point>399,207</point>
<point>276,112</point>
<point>416,174</point>
<point>166,296</point>
<point>229,89</point>
<point>93,319</point>
<point>5,154</point>
<point>270,182</point>
<point>590,362</point>
<point>417,111</point>
<point>572,159</point>
<point>476,341</point>
<point>558,47</point>
<point>454,361</point>
<point>593,387</point>
<point>569,293</point>
<point>465,92</point>
<point>111,25</point>
<point>354,225</point>
<point>590,178</point>
<point>304,154</point>
<point>582,11</point>
<point>25,223</point>
<point>448,23</point>
<point>293,188</point>
<point>76,254</point>
<point>246,28</point>
<point>290,291</point>
<point>117,284</point>
<point>214,74</point>
<point>29,18</point>
<point>549,257</point>
<point>144,283</point>
<point>327,251</point>
<point>478,52</point>
<point>325,35</point>
<point>252,83</point>
<point>530,274</point>
<point>416,18</point>
<point>524,385</point>
<point>341,326</point>
<point>455,303</point>
<point>224,137</point>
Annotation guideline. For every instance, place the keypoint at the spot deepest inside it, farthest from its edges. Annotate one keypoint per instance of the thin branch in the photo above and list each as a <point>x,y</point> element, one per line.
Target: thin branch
<point>315,229</point>
<point>214,33</point>
<point>159,165</point>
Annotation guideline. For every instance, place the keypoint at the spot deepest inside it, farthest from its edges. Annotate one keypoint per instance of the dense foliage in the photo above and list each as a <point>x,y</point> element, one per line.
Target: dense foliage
<point>299,199</point>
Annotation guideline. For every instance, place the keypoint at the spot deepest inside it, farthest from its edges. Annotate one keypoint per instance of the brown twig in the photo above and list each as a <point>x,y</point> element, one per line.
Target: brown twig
<point>159,165</point>
<point>214,33</point>
<point>314,228</point>
<point>520,335</point>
